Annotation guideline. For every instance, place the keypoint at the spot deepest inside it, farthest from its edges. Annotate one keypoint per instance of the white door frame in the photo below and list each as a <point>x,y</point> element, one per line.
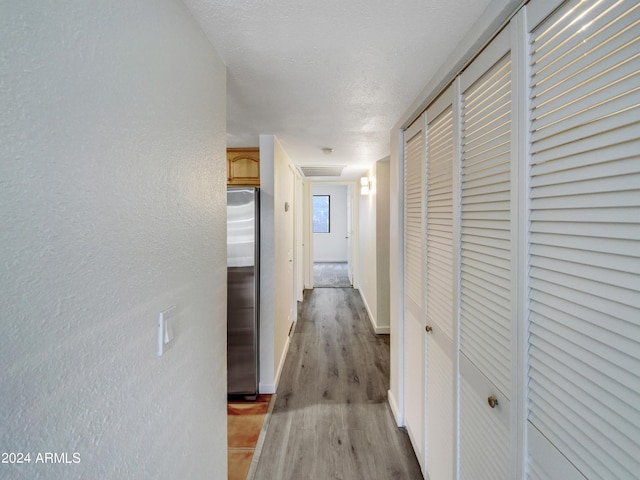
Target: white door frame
<point>352,193</point>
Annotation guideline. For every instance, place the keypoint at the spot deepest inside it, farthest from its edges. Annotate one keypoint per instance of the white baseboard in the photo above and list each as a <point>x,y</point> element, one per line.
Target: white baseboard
<point>394,409</point>
<point>283,357</point>
<point>273,387</point>
<point>266,388</point>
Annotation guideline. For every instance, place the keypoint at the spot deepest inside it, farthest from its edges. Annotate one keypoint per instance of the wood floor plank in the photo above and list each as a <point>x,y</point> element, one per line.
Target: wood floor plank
<point>331,419</point>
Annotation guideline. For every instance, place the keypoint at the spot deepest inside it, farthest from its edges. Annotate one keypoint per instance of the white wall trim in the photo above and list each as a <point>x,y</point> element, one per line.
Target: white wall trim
<point>522,225</point>
<point>394,408</point>
<point>273,387</point>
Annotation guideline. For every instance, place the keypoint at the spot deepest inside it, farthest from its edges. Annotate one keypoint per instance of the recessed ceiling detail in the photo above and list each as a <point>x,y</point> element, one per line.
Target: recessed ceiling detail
<point>322,171</point>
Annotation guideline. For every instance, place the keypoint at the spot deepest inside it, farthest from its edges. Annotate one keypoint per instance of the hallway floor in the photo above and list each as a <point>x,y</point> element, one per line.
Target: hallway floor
<point>331,274</point>
<point>331,419</point>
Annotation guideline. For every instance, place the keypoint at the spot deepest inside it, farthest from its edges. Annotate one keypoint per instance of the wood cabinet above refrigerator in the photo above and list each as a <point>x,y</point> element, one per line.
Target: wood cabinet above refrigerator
<point>243,167</point>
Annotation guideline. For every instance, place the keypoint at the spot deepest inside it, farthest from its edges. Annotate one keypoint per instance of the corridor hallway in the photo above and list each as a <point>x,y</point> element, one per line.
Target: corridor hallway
<point>331,419</point>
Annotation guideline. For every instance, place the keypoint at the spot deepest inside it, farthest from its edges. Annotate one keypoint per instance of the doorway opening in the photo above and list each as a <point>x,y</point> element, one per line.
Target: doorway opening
<point>331,230</point>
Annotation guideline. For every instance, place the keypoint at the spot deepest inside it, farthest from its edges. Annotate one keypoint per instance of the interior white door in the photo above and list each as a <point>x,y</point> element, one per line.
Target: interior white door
<point>584,376</point>
<point>486,271</point>
<point>440,396</point>
<point>348,236</point>
<point>414,293</point>
<point>289,237</point>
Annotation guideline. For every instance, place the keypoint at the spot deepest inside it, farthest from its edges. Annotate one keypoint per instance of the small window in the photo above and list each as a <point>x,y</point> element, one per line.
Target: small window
<point>321,213</point>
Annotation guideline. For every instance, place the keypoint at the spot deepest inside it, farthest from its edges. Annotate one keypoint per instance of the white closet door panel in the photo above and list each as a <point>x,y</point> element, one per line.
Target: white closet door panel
<point>574,131</point>
<point>606,184</point>
<point>617,246</point>
<point>564,28</point>
<point>622,138</point>
<point>623,230</point>
<point>440,222</point>
<point>608,81</point>
<point>492,118</point>
<point>490,197</point>
<point>605,42</point>
<point>584,357</point>
<point>566,55</point>
<point>414,276</point>
<point>576,354</point>
<point>495,148</point>
<point>578,114</point>
<point>440,408</point>
<point>485,263</point>
<point>552,284</point>
<point>610,328</point>
<point>478,266</point>
<point>545,461</point>
<point>414,227</point>
<point>488,169</point>
<point>586,270</point>
<point>598,287</point>
<point>414,383</point>
<point>551,253</point>
<point>484,438</point>
<point>484,260</point>
<point>590,168</point>
<point>591,25</point>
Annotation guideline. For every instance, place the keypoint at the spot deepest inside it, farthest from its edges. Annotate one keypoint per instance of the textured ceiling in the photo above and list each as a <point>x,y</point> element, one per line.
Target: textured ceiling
<point>329,73</point>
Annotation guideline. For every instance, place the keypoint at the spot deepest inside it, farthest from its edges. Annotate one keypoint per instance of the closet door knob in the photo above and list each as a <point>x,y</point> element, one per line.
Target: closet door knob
<point>428,328</point>
<point>492,401</point>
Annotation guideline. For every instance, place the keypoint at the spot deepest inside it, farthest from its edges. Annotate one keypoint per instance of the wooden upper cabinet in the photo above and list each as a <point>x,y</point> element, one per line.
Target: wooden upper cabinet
<point>243,166</point>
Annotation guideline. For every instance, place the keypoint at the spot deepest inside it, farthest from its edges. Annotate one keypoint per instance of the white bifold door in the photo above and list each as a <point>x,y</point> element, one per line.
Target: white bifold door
<point>440,394</point>
<point>486,274</point>
<point>584,354</point>
<point>430,146</point>
<point>414,295</point>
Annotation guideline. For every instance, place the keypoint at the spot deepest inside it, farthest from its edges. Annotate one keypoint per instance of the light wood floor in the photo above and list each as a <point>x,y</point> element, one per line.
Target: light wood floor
<point>331,419</point>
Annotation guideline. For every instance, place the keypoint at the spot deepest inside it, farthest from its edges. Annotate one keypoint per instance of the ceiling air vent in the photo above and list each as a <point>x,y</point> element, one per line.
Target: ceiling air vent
<point>323,171</point>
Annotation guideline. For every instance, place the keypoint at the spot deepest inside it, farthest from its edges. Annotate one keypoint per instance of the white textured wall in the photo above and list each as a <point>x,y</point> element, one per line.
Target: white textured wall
<point>382,243</point>
<point>276,248</point>
<point>267,382</point>
<point>332,246</point>
<point>367,275</point>
<point>374,247</point>
<point>112,206</point>
<point>285,314</point>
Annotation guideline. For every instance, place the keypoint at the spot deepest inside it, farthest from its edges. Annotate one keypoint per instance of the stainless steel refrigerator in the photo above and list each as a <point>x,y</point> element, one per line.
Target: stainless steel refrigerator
<point>243,290</point>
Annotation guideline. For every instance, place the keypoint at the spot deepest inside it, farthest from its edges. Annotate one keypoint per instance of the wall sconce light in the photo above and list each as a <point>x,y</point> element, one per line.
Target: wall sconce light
<point>365,185</point>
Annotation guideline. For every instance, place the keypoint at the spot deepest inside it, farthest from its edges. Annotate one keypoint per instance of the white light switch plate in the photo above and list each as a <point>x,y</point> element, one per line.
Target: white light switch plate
<point>165,327</point>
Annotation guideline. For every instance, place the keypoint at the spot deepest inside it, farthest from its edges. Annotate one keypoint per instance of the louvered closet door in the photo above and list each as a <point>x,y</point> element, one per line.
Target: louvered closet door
<point>440,388</point>
<point>414,318</point>
<point>486,278</point>
<point>584,379</point>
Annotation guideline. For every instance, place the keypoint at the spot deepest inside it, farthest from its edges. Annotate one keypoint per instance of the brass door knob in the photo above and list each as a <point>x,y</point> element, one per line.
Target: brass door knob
<point>492,401</point>
<point>428,328</point>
